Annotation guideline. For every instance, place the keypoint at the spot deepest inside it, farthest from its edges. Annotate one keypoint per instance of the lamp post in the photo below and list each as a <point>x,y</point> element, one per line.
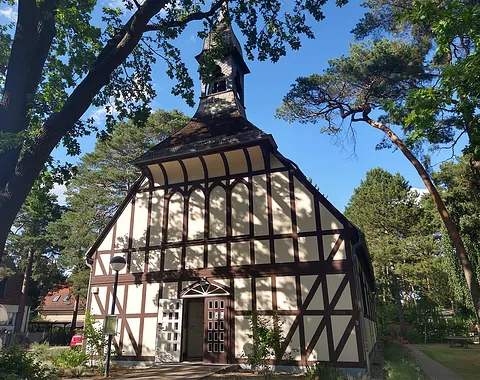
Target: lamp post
<point>117,263</point>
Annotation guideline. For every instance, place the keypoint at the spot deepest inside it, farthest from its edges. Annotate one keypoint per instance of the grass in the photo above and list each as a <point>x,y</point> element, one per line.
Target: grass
<point>465,362</point>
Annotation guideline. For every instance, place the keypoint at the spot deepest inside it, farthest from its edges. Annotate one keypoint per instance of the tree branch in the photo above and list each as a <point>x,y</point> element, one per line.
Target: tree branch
<point>191,17</point>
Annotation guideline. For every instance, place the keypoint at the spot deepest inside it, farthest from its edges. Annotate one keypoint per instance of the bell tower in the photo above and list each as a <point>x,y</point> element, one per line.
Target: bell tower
<point>225,93</point>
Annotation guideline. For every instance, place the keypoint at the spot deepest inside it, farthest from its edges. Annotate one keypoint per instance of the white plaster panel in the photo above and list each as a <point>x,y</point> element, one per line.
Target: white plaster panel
<point>242,288</point>
<point>103,258</point>
<point>106,244</point>
<point>308,248</point>
<point>154,260</point>
<point>242,343</point>
<point>217,255</point>
<point>123,227</point>
<point>350,351</point>
<point>328,220</point>
<point>345,300</point>
<point>149,336</point>
<point>218,212</point>
<point>137,261</point>
<point>240,212</point>
<point>240,253</point>
<point>320,350</point>
<point>264,293</point>
<point>329,242</point>
<point>284,250</point>
<point>134,299</point>
<point>95,308</point>
<point>175,218</point>
<point>140,220</point>
<point>194,168</point>
<point>275,163</point>
<point>223,281</point>
<point>215,165</point>
<point>293,351</point>
<point>306,283</point>
<point>128,348</point>
<point>260,210</point>
<point>286,293</point>
<point>157,175</point>
<point>256,157</point>
<point>339,325</point>
<point>262,252</point>
<point>156,218</point>
<point>196,215</point>
<point>282,217</point>
<point>174,172</point>
<point>194,257</point>
<point>236,161</point>
<point>173,258</point>
<point>151,297</point>
<point>304,207</point>
<point>120,298</point>
<point>170,290</point>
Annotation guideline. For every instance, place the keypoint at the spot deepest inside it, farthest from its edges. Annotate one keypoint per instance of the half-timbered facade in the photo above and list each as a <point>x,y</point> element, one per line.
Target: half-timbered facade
<point>221,226</point>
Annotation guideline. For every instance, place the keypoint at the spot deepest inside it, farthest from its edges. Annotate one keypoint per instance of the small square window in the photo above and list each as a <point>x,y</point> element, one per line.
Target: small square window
<point>67,298</point>
<point>56,299</point>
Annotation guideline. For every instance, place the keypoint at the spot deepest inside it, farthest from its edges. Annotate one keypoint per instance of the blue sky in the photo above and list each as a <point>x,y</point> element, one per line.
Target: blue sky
<point>331,166</point>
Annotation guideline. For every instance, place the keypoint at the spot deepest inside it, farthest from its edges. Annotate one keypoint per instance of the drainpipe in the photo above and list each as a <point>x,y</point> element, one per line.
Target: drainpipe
<point>359,297</point>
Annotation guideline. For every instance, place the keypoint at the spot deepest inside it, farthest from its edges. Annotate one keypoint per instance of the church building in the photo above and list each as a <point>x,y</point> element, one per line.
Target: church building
<point>221,226</point>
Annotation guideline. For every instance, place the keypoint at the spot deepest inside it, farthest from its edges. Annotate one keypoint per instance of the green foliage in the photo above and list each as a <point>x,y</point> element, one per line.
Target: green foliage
<point>267,339</point>
<point>18,364</point>
<point>94,340</point>
<point>437,110</point>
<point>324,372</point>
<point>72,358</point>
<point>399,365</point>
<point>45,354</point>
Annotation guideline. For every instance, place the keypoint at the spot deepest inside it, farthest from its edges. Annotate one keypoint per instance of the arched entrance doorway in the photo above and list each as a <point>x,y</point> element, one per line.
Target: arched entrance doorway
<point>196,326</point>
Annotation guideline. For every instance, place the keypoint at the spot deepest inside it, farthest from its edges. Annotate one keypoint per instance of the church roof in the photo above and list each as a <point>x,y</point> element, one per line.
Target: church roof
<point>205,134</point>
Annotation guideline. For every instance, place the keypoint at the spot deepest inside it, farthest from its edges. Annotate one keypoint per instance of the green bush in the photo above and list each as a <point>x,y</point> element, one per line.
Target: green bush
<point>45,354</point>
<point>72,358</point>
<point>323,372</point>
<point>18,364</point>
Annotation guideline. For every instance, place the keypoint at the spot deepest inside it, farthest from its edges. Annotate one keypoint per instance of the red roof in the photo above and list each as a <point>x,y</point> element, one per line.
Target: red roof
<point>11,290</point>
<point>60,300</point>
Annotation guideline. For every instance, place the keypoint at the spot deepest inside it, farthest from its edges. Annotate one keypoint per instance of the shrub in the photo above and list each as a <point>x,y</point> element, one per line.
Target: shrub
<point>323,372</point>
<point>44,354</point>
<point>95,340</point>
<point>73,357</point>
<point>267,337</point>
<point>402,369</point>
<point>18,364</point>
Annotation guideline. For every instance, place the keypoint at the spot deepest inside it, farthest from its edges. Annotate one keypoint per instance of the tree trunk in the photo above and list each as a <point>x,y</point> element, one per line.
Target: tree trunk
<point>75,313</point>
<point>452,230</point>
<point>24,295</point>
<point>398,302</point>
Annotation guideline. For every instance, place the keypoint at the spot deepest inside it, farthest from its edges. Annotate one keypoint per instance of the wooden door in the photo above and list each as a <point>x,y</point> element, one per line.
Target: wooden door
<point>216,346</point>
<point>169,333</point>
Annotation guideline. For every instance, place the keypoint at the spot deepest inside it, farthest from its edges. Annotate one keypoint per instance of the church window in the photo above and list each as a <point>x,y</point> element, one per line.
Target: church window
<point>219,83</point>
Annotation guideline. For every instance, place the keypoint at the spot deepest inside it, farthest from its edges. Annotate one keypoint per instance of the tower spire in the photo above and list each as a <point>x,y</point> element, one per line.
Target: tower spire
<point>224,93</point>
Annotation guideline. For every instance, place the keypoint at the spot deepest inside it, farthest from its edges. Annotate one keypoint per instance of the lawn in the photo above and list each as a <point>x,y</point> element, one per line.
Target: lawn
<point>465,362</point>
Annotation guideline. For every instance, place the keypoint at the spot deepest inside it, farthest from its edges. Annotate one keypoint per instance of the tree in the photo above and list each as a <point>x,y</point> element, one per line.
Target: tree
<point>372,78</point>
<point>460,188</point>
<point>57,63</point>
<point>446,106</point>
<point>103,179</point>
<point>404,253</point>
<point>30,239</point>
